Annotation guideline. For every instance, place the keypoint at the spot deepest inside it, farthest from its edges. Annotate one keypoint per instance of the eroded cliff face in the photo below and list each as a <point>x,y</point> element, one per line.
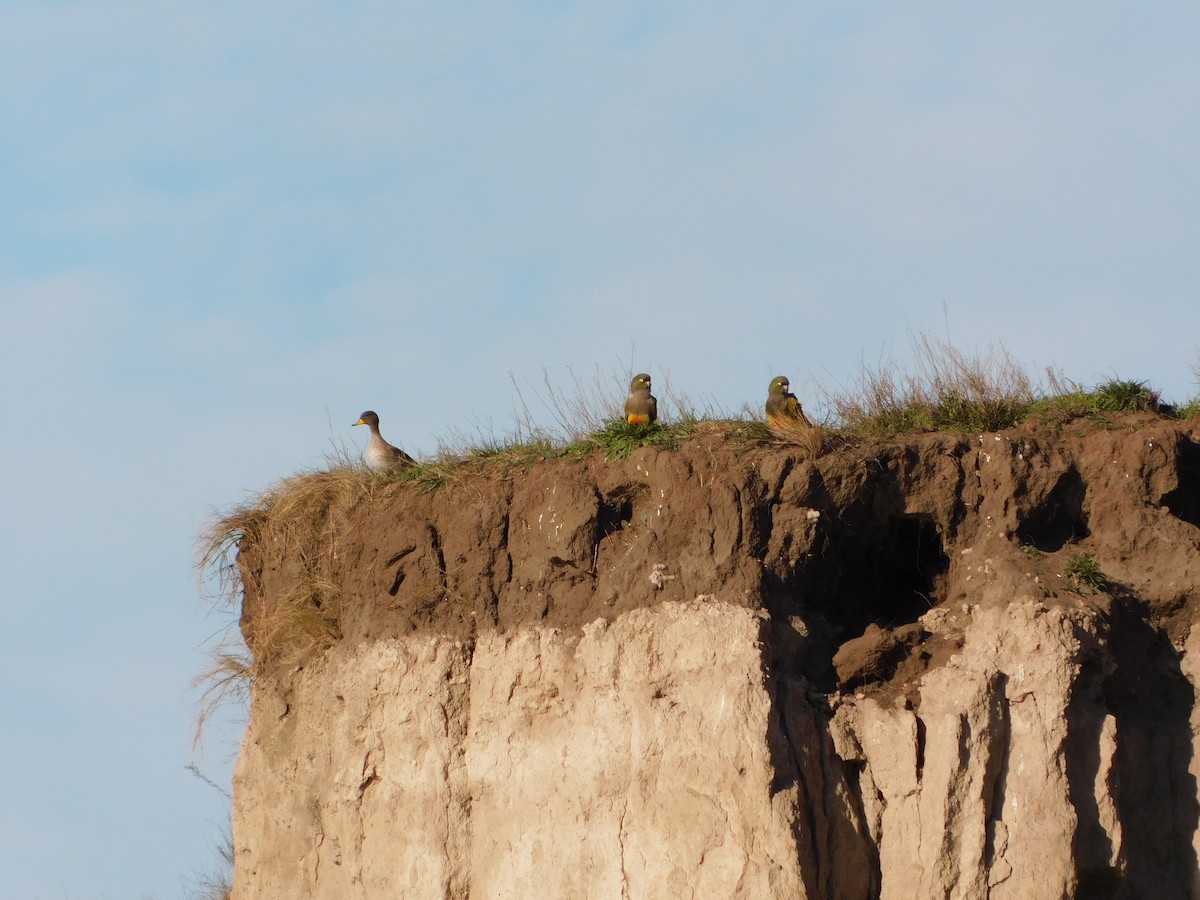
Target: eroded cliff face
<point>733,671</point>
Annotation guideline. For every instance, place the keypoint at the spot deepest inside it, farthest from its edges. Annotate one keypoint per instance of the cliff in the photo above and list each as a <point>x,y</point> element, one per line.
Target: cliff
<point>948,665</point>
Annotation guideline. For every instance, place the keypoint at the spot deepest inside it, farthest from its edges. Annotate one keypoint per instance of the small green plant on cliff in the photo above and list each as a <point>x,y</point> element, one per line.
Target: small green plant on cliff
<point>1119,395</point>
<point>618,438</point>
<point>1192,407</point>
<point>1068,400</point>
<point>1081,571</point>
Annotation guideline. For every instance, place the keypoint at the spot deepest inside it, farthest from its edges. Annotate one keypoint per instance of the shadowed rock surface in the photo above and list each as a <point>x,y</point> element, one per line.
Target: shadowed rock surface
<point>728,670</point>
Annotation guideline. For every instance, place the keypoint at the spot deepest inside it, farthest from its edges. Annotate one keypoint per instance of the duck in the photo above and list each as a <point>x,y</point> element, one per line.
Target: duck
<point>380,456</point>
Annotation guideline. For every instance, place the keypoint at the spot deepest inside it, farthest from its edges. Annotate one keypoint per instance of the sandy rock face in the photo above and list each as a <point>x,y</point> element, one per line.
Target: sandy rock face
<point>357,787</point>
<point>547,764</point>
<point>655,756</point>
<point>586,775</point>
<point>712,673</point>
<point>971,797</point>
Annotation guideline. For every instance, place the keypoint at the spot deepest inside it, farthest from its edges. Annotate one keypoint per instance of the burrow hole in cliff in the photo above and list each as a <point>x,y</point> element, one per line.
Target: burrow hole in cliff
<point>890,576</point>
<point>614,513</point>
<point>1184,501</point>
<point>1059,519</point>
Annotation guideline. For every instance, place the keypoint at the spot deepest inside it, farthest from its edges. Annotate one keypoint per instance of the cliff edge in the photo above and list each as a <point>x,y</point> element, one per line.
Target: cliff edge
<point>949,665</point>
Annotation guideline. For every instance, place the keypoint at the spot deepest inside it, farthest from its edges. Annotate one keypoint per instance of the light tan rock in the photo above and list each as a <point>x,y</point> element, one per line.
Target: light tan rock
<point>632,760</point>
<point>354,787</point>
<point>629,761</point>
<point>969,797</point>
<point>655,756</point>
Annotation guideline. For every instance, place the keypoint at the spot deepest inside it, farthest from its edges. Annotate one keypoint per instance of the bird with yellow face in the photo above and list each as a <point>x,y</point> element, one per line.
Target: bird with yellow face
<point>783,409</point>
<point>380,456</point>
<point>640,406</point>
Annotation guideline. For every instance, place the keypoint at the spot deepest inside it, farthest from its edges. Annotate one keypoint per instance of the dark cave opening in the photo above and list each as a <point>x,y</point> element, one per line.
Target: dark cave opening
<point>614,513</point>
<point>1059,519</point>
<point>1184,502</point>
<point>889,576</point>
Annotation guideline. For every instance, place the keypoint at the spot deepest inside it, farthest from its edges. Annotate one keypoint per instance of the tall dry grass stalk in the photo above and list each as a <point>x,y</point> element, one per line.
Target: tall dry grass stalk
<point>812,439</point>
<point>577,407</point>
<point>946,388</point>
<point>224,681</point>
<point>216,885</point>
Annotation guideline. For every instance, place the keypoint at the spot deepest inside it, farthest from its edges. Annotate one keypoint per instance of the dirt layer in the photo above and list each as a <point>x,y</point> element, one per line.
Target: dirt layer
<point>845,552</point>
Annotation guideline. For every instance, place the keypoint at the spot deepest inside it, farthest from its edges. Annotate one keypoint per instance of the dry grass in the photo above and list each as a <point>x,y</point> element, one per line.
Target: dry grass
<point>214,885</point>
<point>813,439</point>
<point>218,885</point>
<point>300,518</point>
<point>947,389</point>
<point>225,680</point>
<point>581,407</point>
<point>950,390</point>
<point>577,407</point>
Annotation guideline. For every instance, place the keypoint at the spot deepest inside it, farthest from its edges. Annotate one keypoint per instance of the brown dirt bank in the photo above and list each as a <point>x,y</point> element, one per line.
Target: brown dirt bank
<point>846,550</point>
<point>732,669</point>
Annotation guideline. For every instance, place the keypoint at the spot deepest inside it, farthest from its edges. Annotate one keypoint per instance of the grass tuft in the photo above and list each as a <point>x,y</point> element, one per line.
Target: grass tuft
<point>1125,396</point>
<point>302,516</point>
<point>226,679</point>
<point>1082,573</point>
<point>1068,400</point>
<point>214,885</point>
<point>618,438</point>
<point>217,885</point>
<point>948,390</point>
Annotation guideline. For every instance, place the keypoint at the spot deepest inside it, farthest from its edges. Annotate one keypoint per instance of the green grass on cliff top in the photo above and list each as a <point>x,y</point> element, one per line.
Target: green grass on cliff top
<point>945,389</point>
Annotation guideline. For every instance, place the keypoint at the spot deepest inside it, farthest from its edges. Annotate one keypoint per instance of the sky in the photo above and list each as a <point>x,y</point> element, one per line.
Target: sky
<point>226,229</point>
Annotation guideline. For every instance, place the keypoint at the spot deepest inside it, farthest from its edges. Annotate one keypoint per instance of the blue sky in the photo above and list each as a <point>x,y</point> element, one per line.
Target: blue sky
<point>225,228</point>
